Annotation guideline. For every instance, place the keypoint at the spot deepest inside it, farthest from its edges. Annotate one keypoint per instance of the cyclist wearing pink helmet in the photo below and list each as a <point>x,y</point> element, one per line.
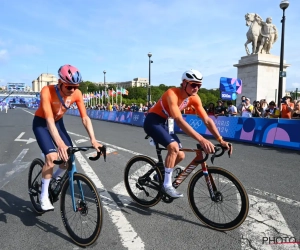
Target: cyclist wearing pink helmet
<point>49,129</point>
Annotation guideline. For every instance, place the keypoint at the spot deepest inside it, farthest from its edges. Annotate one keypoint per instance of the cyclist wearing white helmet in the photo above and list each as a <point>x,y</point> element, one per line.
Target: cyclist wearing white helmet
<point>159,124</point>
<point>49,129</point>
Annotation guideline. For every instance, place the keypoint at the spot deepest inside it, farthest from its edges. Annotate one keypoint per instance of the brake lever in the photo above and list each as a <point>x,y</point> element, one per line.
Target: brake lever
<point>212,158</point>
<point>102,151</point>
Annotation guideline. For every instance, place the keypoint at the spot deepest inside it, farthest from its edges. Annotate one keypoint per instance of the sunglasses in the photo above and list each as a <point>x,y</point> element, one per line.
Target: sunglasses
<point>194,85</point>
<point>70,87</point>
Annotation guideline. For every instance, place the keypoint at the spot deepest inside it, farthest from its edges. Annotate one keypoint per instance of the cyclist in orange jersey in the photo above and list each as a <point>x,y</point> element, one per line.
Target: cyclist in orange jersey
<point>159,124</point>
<point>49,129</point>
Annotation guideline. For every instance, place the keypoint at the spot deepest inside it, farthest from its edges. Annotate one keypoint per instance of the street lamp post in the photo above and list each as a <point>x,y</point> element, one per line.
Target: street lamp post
<point>104,72</point>
<point>149,86</point>
<point>283,5</point>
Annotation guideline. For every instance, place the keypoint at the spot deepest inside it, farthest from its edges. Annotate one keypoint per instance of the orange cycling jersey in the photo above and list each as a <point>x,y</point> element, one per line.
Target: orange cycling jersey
<point>50,105</point>
<point>171,104</point>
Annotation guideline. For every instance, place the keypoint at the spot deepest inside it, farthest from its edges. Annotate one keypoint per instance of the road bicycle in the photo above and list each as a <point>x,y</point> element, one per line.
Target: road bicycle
<point>216,196</point>
<point>80,204</point>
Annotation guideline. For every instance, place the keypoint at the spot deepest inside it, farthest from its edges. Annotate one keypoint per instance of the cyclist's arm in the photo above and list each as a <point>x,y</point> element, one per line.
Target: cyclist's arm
<point>176,114</point>
<point>86,121</point>
<point>48,113</point>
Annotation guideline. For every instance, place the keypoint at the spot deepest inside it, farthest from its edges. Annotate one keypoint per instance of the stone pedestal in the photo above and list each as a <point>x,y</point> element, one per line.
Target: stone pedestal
<point>260,77</point>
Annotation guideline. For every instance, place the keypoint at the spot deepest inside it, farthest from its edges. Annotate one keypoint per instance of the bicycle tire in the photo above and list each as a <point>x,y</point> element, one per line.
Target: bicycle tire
<point>227,224</point>
<point>92,203</point>
<point>35,184</point>
<point>135,188</point>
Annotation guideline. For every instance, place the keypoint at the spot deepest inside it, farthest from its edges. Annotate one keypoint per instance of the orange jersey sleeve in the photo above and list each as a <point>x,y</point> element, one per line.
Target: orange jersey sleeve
<point>50,105</point>
<point>171,104</point>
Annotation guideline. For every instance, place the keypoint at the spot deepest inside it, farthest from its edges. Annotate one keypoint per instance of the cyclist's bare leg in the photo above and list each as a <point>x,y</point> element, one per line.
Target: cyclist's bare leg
<point>47,172</point>
<point>173,156</point>
<point>180,157</point>
<point>48,167</point>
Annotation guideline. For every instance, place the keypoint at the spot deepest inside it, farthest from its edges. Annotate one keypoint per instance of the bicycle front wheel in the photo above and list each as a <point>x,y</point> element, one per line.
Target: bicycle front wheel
<point>143,180</point>
<point>228,209</point>
<point>35,184</point>
<point>84,224</point>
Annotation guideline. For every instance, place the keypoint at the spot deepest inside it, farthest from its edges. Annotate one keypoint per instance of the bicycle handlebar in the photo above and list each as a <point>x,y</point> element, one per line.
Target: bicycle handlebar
<point>73,150</point>
<point>218,147</point>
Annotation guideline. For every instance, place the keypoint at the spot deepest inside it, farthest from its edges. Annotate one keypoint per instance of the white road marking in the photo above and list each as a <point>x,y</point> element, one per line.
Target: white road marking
<point>80,141</point>
<point>276,197</point>
<point>19,165</point>
<point>94,153</point>
<point>30,140</point>
<point>129,238</point>
<point>264,220</point>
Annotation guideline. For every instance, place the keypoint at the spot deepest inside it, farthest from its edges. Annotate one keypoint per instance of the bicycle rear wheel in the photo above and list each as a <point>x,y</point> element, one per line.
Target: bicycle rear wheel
<point>231,206</point>
<point>143,180</point>
<point>85,224</point>
<point>35,184</point>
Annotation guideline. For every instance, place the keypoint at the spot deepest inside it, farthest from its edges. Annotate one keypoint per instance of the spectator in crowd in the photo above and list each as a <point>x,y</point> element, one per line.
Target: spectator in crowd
<point>219,109</point>
<point>287,107</point>
<point>231,109</point>
<point>150,105</point>
<point>241,105</point>
<point>296,111</point>
<point>247,108</point>
<point>264,105</point>
<point>272,111</point>
<point>141,108</point>
<point>257,110</point>
<point>190,110</point>
<point>145,108</point>
<point>211,109</point>
<point>6,107</point>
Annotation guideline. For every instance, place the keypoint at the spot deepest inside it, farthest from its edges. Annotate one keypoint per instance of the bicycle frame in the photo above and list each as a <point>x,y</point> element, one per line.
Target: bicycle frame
<point>199,159</point>
<point>70,173</point>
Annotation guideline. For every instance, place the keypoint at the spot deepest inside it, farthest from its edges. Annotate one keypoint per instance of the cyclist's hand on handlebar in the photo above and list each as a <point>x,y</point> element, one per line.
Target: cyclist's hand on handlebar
<point>62,152</point>
<point>228,146</point>
<point>207,146</point>
<point>96,145</point>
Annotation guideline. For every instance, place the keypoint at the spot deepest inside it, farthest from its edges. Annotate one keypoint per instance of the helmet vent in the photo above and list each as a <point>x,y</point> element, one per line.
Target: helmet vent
<point>189,76</point>
<point>197,77</point>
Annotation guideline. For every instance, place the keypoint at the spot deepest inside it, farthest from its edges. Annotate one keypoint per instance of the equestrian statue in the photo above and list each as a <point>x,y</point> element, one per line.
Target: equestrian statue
<point>261,34</point>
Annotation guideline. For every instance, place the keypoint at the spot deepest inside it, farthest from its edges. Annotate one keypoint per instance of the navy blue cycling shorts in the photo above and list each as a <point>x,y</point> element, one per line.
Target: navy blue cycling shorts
<point>156,127</point>
<point>43,136</point>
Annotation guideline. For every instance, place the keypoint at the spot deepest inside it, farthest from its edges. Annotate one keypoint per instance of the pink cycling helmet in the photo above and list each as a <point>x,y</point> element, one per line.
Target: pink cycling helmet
<point>69,74</point>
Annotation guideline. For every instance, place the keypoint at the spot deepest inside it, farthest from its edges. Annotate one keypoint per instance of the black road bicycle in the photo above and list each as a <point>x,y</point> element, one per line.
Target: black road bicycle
<point>80,204</point>
<point>216,196</point>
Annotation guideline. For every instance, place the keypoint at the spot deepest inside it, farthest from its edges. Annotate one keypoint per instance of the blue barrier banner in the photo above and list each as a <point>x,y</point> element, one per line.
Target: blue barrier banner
<point>138,119</point>
<point>282,133</point>
<point>112,116</point>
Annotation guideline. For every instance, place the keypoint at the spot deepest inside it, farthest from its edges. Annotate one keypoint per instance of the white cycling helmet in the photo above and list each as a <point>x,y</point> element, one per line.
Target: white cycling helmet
<point>192,75</point>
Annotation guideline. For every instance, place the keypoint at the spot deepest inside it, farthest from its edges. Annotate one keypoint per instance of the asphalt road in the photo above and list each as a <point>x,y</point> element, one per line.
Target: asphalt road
<point>270,176</point>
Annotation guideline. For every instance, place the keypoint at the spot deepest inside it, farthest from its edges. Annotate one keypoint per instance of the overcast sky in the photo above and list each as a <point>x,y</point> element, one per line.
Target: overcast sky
<point>116,35</point>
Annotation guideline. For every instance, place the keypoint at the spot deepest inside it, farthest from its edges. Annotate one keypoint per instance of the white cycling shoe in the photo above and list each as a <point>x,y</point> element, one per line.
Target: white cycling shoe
<point>172,192</point>
<point>46,204</point>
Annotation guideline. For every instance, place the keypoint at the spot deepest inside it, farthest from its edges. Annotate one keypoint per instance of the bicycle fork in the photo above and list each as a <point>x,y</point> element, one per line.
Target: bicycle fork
<point>209,182</point>
<point>71,172</point>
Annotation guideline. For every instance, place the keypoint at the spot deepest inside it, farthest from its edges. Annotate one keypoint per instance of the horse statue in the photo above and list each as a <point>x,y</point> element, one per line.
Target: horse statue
<point>254,33</point>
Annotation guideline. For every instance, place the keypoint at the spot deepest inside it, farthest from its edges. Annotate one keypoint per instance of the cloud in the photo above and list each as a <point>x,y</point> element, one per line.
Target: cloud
<point>4,55</point>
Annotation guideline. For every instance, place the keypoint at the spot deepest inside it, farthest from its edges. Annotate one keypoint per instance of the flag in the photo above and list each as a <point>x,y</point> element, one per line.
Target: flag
<point>125,92</point>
